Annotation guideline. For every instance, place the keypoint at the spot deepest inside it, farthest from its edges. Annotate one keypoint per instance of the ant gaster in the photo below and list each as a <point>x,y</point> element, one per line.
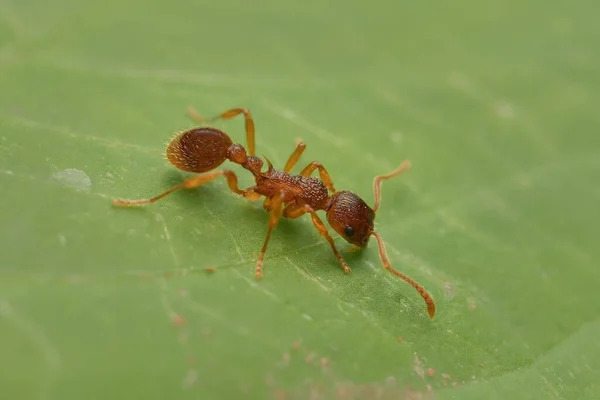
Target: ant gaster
<point>202,149</point>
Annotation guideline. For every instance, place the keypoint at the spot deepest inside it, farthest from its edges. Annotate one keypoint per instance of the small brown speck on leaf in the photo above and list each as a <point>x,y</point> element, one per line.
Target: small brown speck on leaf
<point>269,380</point>
<point>178,320</point>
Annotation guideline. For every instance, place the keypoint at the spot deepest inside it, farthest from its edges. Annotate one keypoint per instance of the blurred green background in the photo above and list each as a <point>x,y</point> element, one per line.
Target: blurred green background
<point>495,103</point>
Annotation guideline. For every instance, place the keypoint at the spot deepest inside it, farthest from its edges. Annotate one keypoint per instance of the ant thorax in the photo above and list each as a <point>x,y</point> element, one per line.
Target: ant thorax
<point>297,189</point>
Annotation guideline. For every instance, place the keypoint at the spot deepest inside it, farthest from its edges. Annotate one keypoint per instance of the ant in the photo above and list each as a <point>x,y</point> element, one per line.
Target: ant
<point>202,149</point>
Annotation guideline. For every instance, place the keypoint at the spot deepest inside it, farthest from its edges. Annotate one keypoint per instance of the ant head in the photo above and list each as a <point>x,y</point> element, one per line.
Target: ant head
<point>351,217</point>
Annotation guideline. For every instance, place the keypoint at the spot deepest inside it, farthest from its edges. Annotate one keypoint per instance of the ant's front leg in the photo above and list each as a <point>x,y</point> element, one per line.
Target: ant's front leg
<point>353,248</point>
<point>295,211</point>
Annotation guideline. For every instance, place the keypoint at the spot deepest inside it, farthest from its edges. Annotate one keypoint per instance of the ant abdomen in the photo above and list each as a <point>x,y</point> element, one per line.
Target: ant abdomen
<point>198,149</point>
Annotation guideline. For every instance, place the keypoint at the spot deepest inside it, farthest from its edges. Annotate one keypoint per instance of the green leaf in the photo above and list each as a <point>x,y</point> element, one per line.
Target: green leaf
<point>494,104</point>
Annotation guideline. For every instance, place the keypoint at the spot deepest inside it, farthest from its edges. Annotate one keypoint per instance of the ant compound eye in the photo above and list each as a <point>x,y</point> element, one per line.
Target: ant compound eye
<point>349,231</point>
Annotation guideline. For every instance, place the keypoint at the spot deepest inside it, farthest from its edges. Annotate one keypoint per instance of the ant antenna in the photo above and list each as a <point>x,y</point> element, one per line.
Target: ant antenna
<point>382,253</point>
<point>377,182</point>
<point>419,288</point>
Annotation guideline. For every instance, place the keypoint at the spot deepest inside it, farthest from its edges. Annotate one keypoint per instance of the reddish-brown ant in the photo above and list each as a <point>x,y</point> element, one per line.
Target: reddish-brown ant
<point>202,149</point>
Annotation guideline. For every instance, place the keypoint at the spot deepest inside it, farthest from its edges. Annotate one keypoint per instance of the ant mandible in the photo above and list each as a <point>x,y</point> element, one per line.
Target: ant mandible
<point>202,149</point>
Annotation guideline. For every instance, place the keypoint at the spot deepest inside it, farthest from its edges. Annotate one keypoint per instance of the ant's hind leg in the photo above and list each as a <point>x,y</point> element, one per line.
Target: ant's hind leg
<point>275,205</point>
<point>295,156</point>
<point>234,112</point>
<point>310,168</point>
<point>194,182</point>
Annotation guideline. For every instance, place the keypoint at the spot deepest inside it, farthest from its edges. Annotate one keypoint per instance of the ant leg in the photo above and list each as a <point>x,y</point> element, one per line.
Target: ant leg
<point>294,157</point>
<point>193,182</point>
<point>309,169</point>
<point>234,112</point>
<point>353,248</point>
<point>249,193</point>
<point>295,212</point>
<point>267,204</point>
<point>274,216</point>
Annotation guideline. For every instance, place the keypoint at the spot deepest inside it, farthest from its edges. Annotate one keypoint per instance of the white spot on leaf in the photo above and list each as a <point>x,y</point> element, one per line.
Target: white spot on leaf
<point>504,110</point>
<point>449,290</point>
<point>397,137</point>
<point>74,178</point>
